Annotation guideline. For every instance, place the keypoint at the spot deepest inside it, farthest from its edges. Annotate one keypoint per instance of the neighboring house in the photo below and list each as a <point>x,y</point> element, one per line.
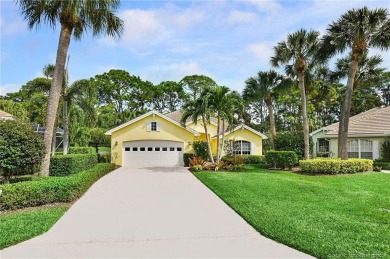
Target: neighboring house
<point>6,116</point>
<point>366,133</point>
<point>155,139</point>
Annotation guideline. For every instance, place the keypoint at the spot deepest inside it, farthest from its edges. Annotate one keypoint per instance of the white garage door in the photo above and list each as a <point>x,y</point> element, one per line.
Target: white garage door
<point>153,153</point>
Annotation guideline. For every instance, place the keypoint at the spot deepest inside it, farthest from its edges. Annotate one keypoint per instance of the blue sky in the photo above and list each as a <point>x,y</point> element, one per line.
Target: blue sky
<point>167,40</point>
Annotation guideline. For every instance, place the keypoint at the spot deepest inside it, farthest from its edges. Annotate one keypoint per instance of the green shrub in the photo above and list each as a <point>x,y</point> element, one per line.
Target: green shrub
<point>186,158</point>
<point>238,160</point>
<point>82,150</point>
<point>291,141</point>
<point>71,164</point>
<point>51,189</point>
<point>281,159</point>
<point>386,150</point>
<point>104,158</point>
<point>253,159</point>
<point>335,166</point>
<point>21,149</point>
<point>382,164</point>
<point>201,149</point>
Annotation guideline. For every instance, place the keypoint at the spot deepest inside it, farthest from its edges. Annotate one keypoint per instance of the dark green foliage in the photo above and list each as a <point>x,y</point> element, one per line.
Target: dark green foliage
<point>281,159</point>
<point>201,149</point>
<point>335,166</point>
<point>291,141</point>
<point>71,164</point>
<point>82,150</point>
<point>104,158</point>
<point>51,189</point>
<point>186,158</point>
<point>21,149</point>
<point>386,150</point>
<point>253,159</point>
<point>384,165</point>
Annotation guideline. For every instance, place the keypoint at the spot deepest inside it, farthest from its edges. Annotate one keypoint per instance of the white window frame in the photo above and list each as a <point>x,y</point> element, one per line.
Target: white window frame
<point>318,145</point>
<point>242,147</point>
<point>359,146</point>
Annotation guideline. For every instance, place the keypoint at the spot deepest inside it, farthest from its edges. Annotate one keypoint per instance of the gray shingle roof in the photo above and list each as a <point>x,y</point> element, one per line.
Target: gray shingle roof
<point>372,122</point>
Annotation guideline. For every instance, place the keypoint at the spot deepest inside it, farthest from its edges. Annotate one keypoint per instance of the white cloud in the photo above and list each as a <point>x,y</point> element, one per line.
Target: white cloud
<point>270,6</point>
<point>11,28</point>
<point>9,88</point>
<point>240,17</point>
<point>173,71</point>
<point>261,51</point>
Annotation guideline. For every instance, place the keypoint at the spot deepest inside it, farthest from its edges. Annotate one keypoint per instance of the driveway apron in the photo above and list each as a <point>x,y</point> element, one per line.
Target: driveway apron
<point>150,212</point>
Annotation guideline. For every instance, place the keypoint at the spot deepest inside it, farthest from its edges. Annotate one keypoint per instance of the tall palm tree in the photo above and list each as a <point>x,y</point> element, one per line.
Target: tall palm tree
<point>200,108</point>
<point>264,87</point>
<point>299,50</point>
<point>355,31</point>
<point>75,17</point>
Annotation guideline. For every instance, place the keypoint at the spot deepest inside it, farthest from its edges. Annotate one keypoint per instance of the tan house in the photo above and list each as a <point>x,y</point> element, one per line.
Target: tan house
<point>156,139</point>
<point>6,116</point>
<point>366,133</point>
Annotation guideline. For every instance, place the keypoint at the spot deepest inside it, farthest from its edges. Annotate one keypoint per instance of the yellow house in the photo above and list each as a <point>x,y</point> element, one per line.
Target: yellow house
<point>156,139</point>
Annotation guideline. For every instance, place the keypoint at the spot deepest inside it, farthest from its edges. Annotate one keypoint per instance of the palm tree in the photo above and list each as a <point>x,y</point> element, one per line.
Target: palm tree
<point>75,17</point>
<point>224,104</point>
<point>264,87</point>
<point>200,109</point>
<point>368,71</point>
<point>297,52</point>
<point>355,31</point>
<point>48,71</point>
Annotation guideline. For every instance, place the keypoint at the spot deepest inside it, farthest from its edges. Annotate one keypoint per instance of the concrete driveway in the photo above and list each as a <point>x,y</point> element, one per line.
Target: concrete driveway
<point>150,212</point>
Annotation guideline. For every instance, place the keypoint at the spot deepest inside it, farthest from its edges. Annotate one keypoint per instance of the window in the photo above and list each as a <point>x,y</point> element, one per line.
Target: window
<point>242,147</point>
<point>178,149</point>
<point>156,149</point>
<point>323,145</point>
<point>171,149</point>
<point>135,149</point>
<point>141,149</point>
<point>153,126</point>
<point>164,149</point>
<point>150,149</point>
<point>360,148</point>
<point>127,149</point>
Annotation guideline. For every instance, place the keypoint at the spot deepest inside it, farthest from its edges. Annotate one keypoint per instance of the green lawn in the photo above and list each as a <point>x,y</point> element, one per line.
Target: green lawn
<point>343,216</point>
<point>17,226</point>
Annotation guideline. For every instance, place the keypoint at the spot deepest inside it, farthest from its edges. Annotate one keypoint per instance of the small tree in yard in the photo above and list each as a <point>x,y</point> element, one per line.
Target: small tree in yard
<point>20,149</point>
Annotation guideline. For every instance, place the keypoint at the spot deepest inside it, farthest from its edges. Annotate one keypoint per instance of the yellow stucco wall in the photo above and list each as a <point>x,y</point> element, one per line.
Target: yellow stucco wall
<point>211,128</point>
<point>137,131</point>
<point>244,134</point>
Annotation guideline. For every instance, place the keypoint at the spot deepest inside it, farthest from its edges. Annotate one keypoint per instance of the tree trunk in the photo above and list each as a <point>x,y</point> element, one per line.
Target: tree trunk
<point>66,127</point>
<point>208,140</point>
<point>305,120</point>
<point>346,110</point>
<point>218,130</point>
<point>268,101</point>
<point>54,141</point>
<point>223,139</point>
<point>55,92</point>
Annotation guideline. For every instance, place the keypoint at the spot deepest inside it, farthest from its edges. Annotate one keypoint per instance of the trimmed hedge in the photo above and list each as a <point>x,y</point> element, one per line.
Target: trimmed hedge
<point>335,166</point>
<point>384,165</point>
<point>281,159</point>
<point>82,150</point>
<point>51,189</point>
<point>253,159</point>
<point>71,164</point>
<point>186,158</point>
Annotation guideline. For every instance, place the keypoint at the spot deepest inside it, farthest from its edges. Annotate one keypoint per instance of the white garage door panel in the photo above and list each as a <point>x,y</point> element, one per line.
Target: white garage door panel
<point>153,153</point>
